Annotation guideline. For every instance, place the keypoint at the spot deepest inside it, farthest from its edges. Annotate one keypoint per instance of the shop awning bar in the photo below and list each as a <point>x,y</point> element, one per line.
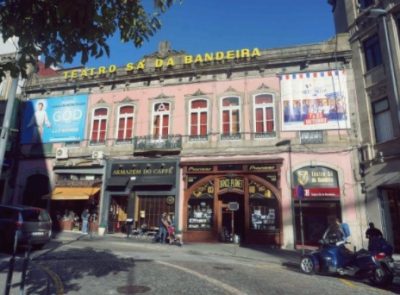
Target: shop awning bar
<point>72,193</point>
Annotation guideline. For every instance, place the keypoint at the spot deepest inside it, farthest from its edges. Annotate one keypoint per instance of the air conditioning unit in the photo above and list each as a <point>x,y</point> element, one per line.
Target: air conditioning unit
<point>62,153</point>
<point>97,155</point>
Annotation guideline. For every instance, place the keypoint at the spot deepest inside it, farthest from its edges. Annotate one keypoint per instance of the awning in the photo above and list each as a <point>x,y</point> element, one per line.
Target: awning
<point>72,193</point>
<point>117,181</point>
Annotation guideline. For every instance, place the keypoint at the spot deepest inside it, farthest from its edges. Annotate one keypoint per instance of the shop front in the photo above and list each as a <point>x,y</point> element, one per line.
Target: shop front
<point>232,202</point>
<point>75,190</point>
<point>138,192</point>
<point>317,187</point>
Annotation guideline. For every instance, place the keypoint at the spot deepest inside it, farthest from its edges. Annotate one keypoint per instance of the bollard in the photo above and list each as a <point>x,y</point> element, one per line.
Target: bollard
<point>11,264</point>
<point>25,267</point>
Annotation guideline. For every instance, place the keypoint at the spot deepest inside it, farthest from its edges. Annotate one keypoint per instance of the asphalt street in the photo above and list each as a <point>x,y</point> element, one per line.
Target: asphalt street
<point>77,264</point>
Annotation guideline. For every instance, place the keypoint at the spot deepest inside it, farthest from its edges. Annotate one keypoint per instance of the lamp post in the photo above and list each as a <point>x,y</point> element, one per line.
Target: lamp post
<point>382,14</point>
<point>288,143</point>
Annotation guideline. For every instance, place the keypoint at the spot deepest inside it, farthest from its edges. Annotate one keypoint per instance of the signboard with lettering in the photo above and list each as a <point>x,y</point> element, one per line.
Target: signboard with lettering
<point>55,119</point>
<point>162,171</point>
<point>316,181</point>
<point>231,183</point>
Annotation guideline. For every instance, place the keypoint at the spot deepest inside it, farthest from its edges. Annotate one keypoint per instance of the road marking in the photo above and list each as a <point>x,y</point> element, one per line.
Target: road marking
<point>56,279</point>
<point>215,282</point>
<point>347,283</point>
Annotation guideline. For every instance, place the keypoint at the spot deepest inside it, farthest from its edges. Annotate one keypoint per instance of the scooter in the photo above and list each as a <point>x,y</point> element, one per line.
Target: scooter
<point>333,258</point>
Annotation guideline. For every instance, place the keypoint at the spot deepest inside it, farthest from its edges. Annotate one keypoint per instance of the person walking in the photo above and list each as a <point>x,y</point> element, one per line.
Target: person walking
<point>85,221</point>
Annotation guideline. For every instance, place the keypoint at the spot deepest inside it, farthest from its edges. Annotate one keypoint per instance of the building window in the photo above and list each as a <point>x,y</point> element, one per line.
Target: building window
<point>99,125</point>
<point>312,137</point>
<point>198,119</point>
<point>365,3</point>
<point>372,52</point>
<point>264,120</point>
<point>125,123</point>
<point>230,118</point>
<point>382,120</point>
<point>161,116</point>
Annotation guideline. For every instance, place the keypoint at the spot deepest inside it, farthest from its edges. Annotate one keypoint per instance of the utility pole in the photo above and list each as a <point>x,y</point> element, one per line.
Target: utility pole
<point>5,129</point>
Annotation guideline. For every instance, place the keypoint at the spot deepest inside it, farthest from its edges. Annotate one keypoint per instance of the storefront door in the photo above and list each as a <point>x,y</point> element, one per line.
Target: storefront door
<point>231,221</point>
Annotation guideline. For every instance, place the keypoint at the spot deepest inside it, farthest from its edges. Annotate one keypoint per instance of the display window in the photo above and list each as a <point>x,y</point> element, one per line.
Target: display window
<point>200,212</point>
<point>263,213</point>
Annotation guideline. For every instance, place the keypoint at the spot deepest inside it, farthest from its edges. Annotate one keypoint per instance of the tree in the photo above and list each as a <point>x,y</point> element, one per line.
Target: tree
<point>59,30</point>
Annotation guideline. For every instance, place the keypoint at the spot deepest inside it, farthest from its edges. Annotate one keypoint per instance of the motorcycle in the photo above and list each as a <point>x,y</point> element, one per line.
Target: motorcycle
<point>382,251</point>
<point>333,258</point>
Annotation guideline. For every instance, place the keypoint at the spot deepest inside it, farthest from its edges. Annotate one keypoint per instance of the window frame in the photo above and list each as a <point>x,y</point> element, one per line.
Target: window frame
<point>161,114</point>
<point>125,117</point>
<point>231,109</point>
<point>380,112</point>
<point>100,118</point>
<point>199,112</point>
<point>372,52</point>
<point>264,106</point>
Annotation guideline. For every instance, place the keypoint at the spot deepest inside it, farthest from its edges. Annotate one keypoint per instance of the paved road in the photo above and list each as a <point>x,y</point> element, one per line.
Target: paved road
<point>79,265</point>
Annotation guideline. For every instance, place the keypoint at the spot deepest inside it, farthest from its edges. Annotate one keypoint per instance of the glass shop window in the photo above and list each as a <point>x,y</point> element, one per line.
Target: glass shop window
<point>200,213</point>
<point>263,213</point>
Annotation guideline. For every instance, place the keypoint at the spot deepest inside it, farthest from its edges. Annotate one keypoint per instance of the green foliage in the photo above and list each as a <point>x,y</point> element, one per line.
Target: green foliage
<point>61,29</point>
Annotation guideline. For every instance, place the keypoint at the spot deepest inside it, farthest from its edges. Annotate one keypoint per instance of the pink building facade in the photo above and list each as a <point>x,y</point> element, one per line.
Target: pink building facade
<point>254,147</point>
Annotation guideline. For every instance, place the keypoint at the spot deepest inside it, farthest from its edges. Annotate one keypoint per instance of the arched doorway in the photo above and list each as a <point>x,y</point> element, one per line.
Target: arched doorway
<point>232,221</point>
<point>35,188</point>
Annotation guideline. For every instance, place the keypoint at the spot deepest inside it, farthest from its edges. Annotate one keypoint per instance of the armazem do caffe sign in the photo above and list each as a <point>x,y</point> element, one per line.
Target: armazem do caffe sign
<point>166,63</point>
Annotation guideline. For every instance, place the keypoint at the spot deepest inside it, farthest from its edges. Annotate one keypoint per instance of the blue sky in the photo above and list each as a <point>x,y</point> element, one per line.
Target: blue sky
<point>199,26</point>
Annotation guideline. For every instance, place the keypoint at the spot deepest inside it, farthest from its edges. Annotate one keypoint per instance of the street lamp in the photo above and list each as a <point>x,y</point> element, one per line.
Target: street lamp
<point>288,143</point>
<point>382,14</point>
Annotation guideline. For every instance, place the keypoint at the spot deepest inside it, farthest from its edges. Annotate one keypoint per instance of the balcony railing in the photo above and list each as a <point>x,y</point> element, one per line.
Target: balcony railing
<point>78,183</point>
<point>149,143</point>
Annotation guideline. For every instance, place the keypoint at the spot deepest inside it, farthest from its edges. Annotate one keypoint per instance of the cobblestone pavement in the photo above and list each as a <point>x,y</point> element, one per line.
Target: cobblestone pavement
<point>77,264</point>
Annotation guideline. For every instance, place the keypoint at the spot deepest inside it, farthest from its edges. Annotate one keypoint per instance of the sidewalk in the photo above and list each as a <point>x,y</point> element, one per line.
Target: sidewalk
<point>248,252</point>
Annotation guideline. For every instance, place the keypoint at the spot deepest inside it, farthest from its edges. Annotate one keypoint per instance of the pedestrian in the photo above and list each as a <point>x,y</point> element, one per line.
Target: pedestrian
<point>85,220</point>
<point>334,232</point>
<point>372,234</point>
<point>163,228</point>
<point>173,238</point>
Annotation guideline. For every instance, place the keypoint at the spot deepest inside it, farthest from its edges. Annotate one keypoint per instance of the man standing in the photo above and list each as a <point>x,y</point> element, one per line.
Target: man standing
<point>372,234</point>
<point>39,121</point>
<point>85,220</point>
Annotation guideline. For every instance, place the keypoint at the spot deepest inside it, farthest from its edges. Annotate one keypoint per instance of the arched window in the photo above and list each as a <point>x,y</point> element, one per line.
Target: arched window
<point>161,118</point>
<point>198,118</point>
<point>230,116</point>
<point>201,208</point>
<point>125,123</point>
<point>99,125</point>
<point>264,115</point>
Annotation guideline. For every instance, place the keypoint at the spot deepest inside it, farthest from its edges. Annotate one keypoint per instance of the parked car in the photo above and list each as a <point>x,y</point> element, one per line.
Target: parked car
<point>34,225</point>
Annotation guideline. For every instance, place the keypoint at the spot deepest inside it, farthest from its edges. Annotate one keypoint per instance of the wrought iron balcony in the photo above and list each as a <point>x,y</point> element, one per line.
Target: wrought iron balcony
<point>150,143</point>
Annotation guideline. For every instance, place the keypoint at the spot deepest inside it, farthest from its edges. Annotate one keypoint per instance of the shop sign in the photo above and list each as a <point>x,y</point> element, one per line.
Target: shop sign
<point>262,167</point>
<point>199,169</point>
<point>167,63</point>
<point>316,181</point>
<point>233,206</point>
<point>231,183</point>
<point>143,169</point>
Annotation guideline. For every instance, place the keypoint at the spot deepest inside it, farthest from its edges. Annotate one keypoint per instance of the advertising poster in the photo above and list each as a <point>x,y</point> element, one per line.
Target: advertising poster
<point>55,119</point>
<point>314,101</point>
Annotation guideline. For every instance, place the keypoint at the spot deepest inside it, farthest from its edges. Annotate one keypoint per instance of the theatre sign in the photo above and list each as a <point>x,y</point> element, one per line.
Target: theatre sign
<point>165,63</point>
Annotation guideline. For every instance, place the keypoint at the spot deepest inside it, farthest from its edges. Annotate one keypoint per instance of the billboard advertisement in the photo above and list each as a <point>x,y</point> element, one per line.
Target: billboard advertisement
<point>314,101</point>
<point>55,119</point>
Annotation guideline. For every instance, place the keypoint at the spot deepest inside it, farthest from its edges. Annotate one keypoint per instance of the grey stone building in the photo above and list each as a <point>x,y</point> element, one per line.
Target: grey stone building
<point>373,27</point>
